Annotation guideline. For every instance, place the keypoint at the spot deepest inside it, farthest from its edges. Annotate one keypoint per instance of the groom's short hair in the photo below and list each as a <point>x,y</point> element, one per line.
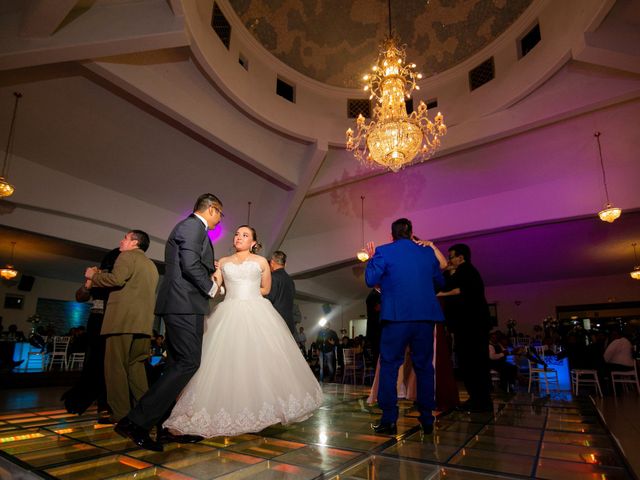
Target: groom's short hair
<point>401,228</point>
<point>206,200</point>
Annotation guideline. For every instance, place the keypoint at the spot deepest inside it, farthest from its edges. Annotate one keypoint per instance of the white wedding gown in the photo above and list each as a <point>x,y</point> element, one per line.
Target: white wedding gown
<point>252,373</point>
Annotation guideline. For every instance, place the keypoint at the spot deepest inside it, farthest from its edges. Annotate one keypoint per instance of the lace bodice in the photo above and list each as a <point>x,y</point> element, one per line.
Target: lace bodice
<point>242,280</point>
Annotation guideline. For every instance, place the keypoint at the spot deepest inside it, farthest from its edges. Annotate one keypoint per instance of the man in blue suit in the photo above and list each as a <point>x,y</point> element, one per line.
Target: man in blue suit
<point>408,275</point>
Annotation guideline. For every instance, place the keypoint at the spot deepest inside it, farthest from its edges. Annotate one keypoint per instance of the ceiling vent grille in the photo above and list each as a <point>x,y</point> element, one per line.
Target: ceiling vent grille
<point>221,25</point>
<point>432,103</point>
<point>286,90</point>
<point>483,73</point>
<point>530,40</point>
<point>358,106</point>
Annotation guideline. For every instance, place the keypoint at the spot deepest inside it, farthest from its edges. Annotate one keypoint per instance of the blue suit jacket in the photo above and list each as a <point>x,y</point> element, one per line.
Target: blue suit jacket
<point>408,275</point>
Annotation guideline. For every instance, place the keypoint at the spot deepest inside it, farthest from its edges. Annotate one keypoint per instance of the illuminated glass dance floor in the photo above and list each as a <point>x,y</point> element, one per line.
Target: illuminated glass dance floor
<point>526,437</point>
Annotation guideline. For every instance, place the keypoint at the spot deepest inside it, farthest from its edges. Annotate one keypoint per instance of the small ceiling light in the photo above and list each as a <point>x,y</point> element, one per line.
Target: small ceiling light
<point>635,273</point>
<point>8,272</point>
<point>6,189</point>
<point>362,254</point>
<point>609,213</point>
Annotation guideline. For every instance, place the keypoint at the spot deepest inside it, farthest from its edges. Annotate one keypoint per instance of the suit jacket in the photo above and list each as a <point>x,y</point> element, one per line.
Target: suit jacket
<point>281,295</point>
<point>408,275</point>
<point>188,257</point>
<point>130,308</point>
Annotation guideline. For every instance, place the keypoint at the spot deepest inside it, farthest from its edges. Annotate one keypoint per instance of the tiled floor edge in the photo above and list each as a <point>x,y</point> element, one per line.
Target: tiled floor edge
<point>616,442</point>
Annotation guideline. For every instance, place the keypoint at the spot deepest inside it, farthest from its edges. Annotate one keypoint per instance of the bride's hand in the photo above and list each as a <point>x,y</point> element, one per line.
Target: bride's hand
<point>217,277</point>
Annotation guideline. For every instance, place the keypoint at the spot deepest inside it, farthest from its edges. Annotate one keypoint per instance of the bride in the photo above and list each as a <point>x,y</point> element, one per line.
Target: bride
<point>252,373</point>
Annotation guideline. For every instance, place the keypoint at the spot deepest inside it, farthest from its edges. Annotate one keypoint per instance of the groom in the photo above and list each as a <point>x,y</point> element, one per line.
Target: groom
<point>408,275</point>
<point>182,302</point>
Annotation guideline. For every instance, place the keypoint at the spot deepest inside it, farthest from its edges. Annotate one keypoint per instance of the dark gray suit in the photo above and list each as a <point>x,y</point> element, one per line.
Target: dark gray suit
<point>281,295</point>
<point>183,300</point>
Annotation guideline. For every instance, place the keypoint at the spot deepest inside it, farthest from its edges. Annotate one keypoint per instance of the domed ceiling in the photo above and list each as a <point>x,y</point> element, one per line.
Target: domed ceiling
<point>336,41</point>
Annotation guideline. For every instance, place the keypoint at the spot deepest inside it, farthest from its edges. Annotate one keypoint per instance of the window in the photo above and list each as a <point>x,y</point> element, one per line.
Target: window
<point>285,90</point>
<point>221,25</point>
<point>483,73</point>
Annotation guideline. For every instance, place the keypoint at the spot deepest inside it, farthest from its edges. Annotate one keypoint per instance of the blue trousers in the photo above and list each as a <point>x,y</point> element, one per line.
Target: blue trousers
<point>395,338</point>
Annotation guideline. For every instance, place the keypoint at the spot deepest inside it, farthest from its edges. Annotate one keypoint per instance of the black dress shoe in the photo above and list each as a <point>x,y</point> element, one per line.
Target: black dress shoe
<point>165,436</point>
<point>385,428</point>
<point>138,435</point>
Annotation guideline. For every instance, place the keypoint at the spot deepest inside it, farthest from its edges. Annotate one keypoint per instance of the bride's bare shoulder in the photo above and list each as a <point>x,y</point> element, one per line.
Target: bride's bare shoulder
<point>260,260</point>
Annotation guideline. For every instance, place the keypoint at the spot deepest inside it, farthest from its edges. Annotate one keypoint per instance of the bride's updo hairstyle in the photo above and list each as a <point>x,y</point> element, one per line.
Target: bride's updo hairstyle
<point>258,246</point>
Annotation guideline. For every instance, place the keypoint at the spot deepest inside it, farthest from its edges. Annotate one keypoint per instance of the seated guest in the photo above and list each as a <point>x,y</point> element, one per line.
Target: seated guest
<point>157,345</point>
<point>575,351</point>
<point>15,335</point>
<point>498,362</point>
<point>619,353</point>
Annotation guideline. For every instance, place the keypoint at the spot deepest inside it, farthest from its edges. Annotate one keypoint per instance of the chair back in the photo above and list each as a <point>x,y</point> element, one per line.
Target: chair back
<point>349,356</point>
<point>60,344</point>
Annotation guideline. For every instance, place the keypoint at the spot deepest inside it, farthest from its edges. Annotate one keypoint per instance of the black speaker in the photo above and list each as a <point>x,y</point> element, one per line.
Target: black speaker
<point>26,283</point>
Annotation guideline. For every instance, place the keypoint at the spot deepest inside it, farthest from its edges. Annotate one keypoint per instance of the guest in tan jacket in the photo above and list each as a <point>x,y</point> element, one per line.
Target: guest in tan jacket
<point>128,321</point>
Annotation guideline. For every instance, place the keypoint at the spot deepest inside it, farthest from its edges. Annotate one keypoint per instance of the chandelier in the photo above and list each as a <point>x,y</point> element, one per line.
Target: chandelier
<point>362,254</point>
<point>609,213</point>
<point>635,273</point>
<point>394,139</point>
<point>8,272</point>
<point>6,189</point>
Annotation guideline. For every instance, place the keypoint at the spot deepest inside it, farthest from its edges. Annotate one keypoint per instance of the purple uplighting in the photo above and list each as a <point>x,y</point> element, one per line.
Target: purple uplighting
<point>216,233</point>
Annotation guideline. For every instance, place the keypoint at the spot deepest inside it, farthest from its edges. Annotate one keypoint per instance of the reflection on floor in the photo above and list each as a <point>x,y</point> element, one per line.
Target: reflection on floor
<point>526,437</point>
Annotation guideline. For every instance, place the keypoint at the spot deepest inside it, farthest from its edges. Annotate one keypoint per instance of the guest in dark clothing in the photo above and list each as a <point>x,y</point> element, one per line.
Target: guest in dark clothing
<point>575,351</point>
<point>326,343</point>
<point>472,325</point>
<point>373,323</point>
<point>91,386</point>
<point>498,361</point>
<point>283,290</point>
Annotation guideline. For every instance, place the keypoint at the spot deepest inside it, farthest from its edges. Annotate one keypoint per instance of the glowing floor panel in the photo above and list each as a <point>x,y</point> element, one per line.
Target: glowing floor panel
<point>527,436</point>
